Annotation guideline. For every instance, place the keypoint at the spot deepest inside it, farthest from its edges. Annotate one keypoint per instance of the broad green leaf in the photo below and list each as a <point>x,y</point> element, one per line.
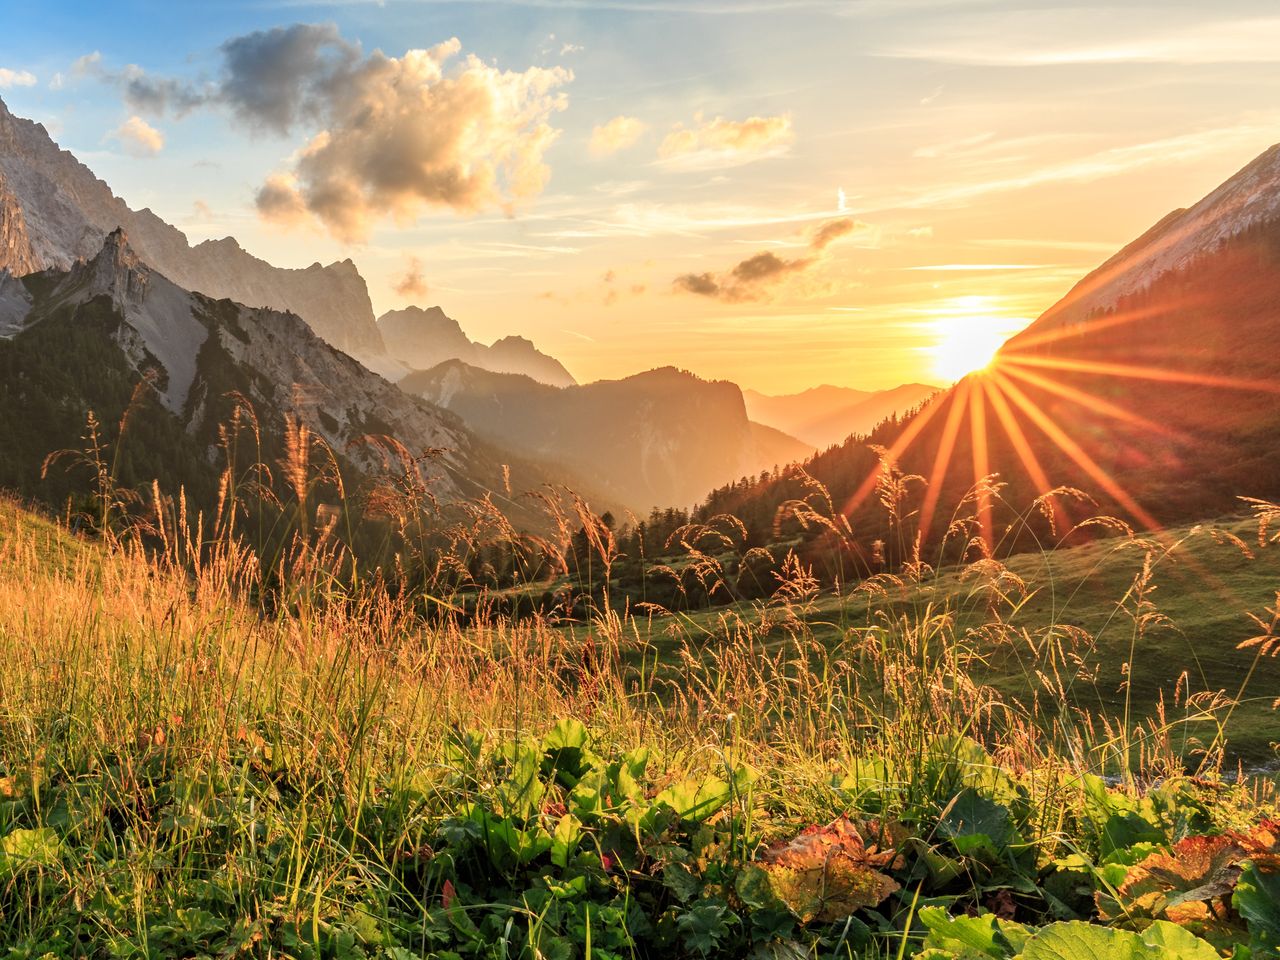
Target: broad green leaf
<point>984,936</point>
<point>704,926</point>
<point>1257,898</point>
<point>566,735</point>
<point>1077,940</point>
<point>28,849</point>
<point>695,800</point>
<point>564,841</point>
<point>1177,943</point>
<point>523,789</point>
<point>976,826</point>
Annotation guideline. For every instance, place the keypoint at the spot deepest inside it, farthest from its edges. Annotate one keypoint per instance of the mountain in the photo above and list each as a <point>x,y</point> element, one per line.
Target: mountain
<point>826,415</point>
<point>662,438</point>
<point>423,339</point>
<point>1248,199</point>
<point>1153,386</point>
<point>86,337</point>
<point>54,211</point>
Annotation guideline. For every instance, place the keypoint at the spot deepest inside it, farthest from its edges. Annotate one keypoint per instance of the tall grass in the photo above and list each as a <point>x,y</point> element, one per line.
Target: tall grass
<point>257,733</point>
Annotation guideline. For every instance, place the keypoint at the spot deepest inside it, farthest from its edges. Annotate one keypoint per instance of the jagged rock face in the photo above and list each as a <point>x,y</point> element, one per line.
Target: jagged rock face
<point>54,212</point>
<point>16,255</point>
<point>423,339</point>
<point>188,345</point>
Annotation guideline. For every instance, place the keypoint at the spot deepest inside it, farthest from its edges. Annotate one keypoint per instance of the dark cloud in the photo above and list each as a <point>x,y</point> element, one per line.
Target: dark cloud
<point>277,78</point>
<point>704,284</point>
<point>831,231</point>
<point>412,283</point>
<point>758,276</point>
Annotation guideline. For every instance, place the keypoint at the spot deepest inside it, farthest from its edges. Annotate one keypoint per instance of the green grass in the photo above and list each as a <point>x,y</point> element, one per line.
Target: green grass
<point>1205,585</point>
<point>878,775</point>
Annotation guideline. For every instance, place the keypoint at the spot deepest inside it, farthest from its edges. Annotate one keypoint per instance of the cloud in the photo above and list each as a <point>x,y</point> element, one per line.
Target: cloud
<point>1052,37</point>
<point>202,210</point>
<point>16,78</point>
<point>278,78</point>
<point>138,138</point>
<point>141,91</point>
<point>713,144</point>
<point>758,276</point>
<point>399,134</point>
<point>615,289</point>
<point>386,136</point>
<point>157,95</point>
<point>920,233</point>
<point>569,48</point>
<point>280,201</point>
<point>831,231</point>
<point>618,134</point>
<point>412,283</point>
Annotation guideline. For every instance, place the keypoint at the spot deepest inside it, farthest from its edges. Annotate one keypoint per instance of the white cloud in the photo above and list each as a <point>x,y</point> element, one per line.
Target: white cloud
<point>138,138</point>
<point>16,78</point>
<point>618,134</point>
<point>1052,37</point>
<point>719,143</point>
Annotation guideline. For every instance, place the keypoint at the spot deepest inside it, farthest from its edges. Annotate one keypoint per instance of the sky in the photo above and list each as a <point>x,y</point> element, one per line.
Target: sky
<point>782,193</point>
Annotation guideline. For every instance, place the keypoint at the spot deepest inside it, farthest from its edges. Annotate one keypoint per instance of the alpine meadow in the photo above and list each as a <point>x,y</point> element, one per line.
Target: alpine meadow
<point>842,522</point>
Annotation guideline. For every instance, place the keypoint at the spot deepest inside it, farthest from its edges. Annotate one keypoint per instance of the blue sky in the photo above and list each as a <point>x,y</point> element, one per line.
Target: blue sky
<point>984,154</point>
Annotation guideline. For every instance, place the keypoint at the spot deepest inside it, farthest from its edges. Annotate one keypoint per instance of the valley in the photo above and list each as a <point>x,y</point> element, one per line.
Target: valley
<point>783,520</point>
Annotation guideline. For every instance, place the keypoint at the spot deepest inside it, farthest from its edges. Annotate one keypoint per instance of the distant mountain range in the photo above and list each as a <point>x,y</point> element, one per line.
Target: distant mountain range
<point>827,415</point>
<point>655,439</point>
<point>422,339</point>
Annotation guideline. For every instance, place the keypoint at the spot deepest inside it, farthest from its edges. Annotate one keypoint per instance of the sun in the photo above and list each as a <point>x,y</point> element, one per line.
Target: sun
<point>967,335</point>
<point>964,349</point>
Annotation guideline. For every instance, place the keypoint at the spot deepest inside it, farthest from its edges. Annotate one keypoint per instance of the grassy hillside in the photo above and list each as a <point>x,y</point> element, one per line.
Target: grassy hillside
<point>183,774</point>
<point>1136,624</point>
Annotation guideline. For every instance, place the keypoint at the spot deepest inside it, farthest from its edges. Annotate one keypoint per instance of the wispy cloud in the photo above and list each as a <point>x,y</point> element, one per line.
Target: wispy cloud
<point>16,78</point>
<point>979,267</point>
<point>412,282</point>
<point>1104,163</point>
<point>1053,37</point>
<point>618,134</point>
<point>720,143</point>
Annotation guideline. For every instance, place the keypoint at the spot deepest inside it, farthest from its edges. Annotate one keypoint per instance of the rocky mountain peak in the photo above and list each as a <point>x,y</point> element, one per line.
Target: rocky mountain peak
<point>55,212</point>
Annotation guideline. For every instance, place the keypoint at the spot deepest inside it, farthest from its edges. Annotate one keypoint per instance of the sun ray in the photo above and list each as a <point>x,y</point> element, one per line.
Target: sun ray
<point>1144,373</point>
<point>981,462</point>
<point>1029,340</point>
<point>1076,453</point>
<point>946,445</point>
<point>1021,446</point>
<point>1097,404</point>
<point>896,449</point>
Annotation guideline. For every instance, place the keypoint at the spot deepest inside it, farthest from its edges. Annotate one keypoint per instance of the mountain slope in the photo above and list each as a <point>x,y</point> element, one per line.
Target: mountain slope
<point>1153,386</point>
<point>54,211</point>
<point>662,438</point>
<point>826,415</point>
<point>426,338</point>
<point>83,339</point>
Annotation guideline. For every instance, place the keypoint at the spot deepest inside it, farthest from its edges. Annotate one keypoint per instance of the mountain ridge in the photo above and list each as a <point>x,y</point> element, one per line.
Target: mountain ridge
<point>55,211</point>
<point>423,338</point>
